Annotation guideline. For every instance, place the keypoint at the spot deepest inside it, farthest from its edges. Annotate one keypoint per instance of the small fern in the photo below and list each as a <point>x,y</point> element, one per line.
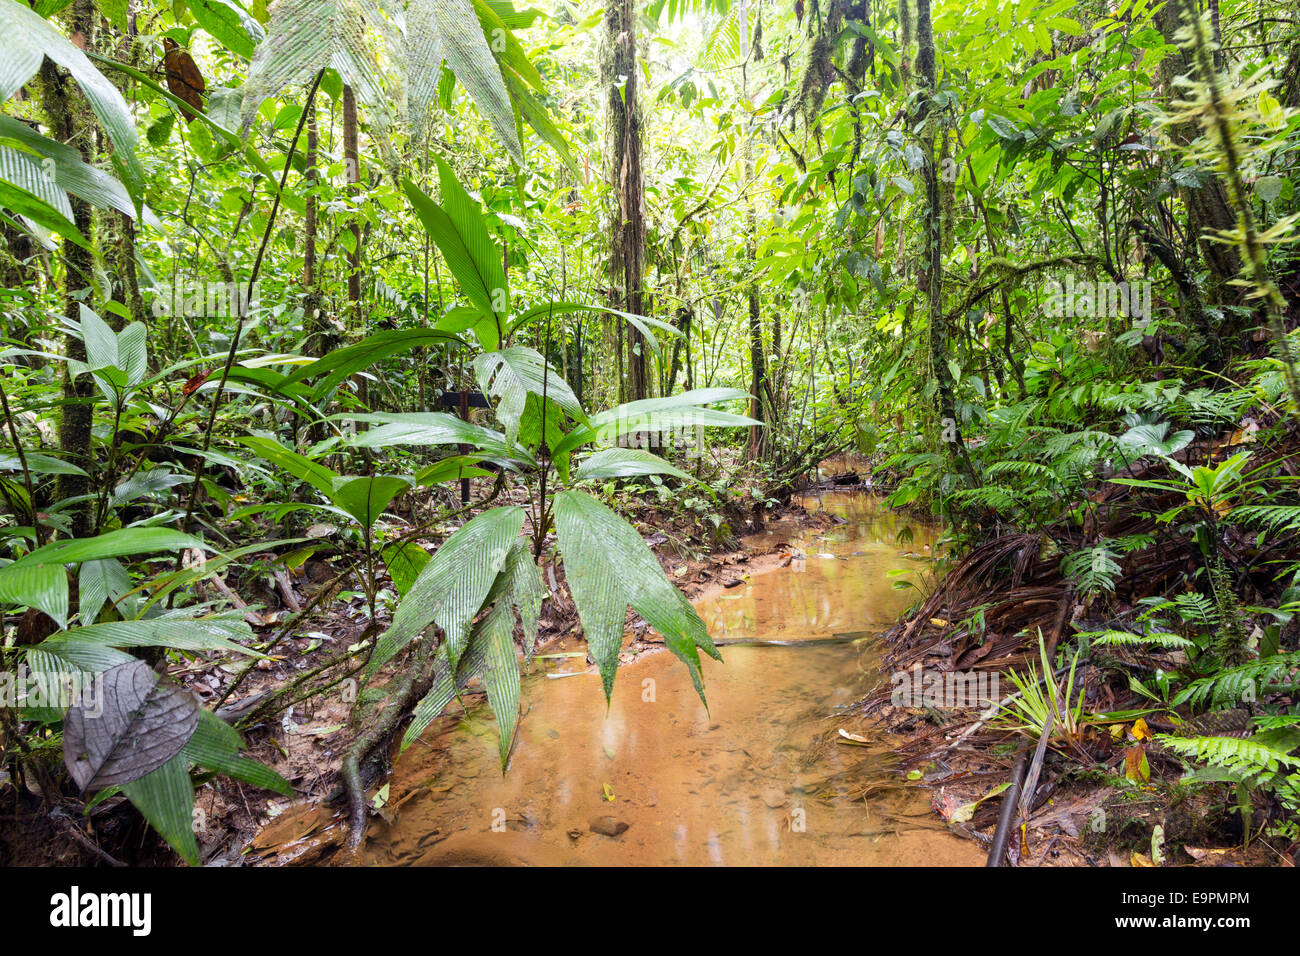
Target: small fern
<point>1092,569</point>
<point>1250,757</point>
<point>1162,640</point>
<point>1243,682</point>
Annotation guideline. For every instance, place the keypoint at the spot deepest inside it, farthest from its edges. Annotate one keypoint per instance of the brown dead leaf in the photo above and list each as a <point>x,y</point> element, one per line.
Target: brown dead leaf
<point>183,78</point>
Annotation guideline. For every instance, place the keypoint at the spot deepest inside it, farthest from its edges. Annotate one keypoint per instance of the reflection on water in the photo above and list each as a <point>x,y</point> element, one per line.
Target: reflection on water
<point>757,779</point>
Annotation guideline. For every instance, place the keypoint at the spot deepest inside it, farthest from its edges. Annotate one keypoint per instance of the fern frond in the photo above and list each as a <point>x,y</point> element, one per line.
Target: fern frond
<point>1247,757</point>
<point>1244,682</point>
<point>1162,640</point>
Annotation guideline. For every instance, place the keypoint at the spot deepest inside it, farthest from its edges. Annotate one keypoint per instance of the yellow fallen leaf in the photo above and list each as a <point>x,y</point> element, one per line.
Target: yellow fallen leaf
<point>1140,859</point>
<point>1140,730</point>
<point>938,622</point>
<point>608,791</point>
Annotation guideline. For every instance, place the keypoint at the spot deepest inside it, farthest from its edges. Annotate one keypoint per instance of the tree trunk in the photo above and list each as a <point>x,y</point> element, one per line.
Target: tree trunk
<point>352,166</point>
<point>313,324</point>
<point>627,241</point>
<point>757,362</point>
<point>932,275</point>
<point>65,108</point>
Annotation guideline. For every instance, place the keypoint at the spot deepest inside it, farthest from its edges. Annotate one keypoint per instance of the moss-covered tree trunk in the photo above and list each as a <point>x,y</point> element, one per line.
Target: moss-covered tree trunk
<point>68,121</point>
<point>932,273</point>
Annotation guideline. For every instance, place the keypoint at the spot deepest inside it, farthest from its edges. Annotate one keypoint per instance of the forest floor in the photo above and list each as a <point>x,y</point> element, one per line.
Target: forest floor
<point>1019,590</point>
<point>1110,794</point>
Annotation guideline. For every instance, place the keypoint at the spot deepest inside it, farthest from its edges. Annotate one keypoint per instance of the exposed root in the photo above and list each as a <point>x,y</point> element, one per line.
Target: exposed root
<point>413,684</point>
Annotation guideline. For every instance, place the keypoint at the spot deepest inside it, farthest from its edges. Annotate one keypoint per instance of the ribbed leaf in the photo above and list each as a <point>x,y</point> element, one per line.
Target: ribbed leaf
<point>450,29</point>
<point>451,589</point>
<point>27,38</point>
<point>218,632</point>
<point>132,724</point>
<point>491,651</point>
<point>97,582</point>
<point>511,374</point>
<point>71,174</point>
<point>52,655</point>
<point>306,36</point>
<point>526,592</point>
<point>625,463</point>
<point>216,745</point>
<point>496,632</point>
<point>25,190</point>
<point>439,696</point>
<point>43,586</point>
<point>166,799</point>
<point>609,567</point>
<point>24,171</point>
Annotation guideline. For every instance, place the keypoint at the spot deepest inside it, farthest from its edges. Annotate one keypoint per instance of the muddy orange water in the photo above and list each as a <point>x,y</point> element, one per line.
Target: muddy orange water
<point>760,778</point>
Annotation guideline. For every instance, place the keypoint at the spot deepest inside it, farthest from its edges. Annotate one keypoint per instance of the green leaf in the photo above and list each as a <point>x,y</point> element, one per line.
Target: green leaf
<point>496,632</point>
<point>366,497</point>
<point>608,567</point>
<point>625,463</point>
<point>452,587</point>
<point>39,464</point>
<point>460,232</point>
<point>404,560</point>
<point>684,410</point>
<point>166,799</point>
<point>642,323</point>
<point>512,374</point>
<point>452,469</point>
<point>341,363</point>
<point>525,591</point>
<point>229,24</point>
<point>491,650</point>
<point>113,544</point>
<point>304,469</point>
<point>27,191</point>
<point>42,586</point>
<point>535,113</point>
<point>423,428</point>
<point>26,173</point>
<point>29,38</point>
<point>217,632</point>
<point>97,581</point>
<point>438,29</point>
<point>216,745</point>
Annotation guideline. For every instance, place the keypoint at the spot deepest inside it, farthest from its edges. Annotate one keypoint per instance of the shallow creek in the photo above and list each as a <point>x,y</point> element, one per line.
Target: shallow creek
<point>762,777</point>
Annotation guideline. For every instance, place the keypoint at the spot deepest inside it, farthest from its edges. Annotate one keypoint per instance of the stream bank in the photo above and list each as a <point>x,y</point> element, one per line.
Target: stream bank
<point>775,771</point>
